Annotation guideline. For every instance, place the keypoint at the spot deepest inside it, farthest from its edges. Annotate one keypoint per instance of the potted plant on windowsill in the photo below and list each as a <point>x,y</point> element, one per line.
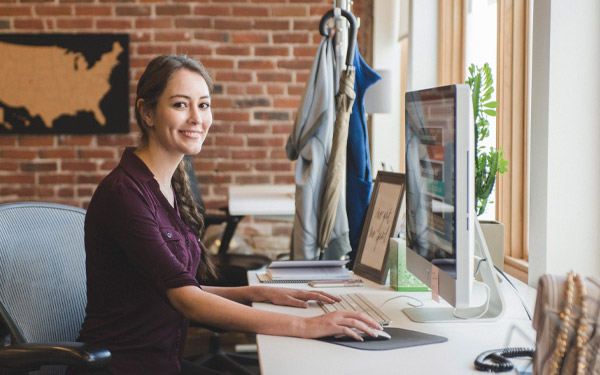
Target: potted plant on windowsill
<point>489,162</point>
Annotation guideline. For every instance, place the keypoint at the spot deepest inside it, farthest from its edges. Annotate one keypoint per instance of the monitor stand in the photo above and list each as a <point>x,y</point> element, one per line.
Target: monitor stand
<point>491,310</point>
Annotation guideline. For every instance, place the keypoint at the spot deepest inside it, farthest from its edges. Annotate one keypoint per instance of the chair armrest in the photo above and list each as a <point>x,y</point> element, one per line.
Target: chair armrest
<point>30,356</point>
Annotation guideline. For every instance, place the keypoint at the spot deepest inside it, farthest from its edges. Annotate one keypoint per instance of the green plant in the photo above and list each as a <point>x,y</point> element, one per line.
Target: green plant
<point>488,162</point>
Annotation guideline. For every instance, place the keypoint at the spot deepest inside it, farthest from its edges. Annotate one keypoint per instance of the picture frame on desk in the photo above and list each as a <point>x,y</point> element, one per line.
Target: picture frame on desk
<point>380,224</point>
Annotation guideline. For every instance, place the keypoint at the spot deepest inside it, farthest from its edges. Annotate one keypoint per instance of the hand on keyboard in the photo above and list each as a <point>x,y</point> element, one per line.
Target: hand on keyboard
<point>357,302</point>
<point>345,323</point>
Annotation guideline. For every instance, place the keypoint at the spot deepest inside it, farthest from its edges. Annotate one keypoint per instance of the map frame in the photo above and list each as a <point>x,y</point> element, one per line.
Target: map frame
<point>110,113</point>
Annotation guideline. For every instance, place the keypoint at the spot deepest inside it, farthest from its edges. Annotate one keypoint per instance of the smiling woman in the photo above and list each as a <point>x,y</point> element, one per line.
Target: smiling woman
<point>145,261</point>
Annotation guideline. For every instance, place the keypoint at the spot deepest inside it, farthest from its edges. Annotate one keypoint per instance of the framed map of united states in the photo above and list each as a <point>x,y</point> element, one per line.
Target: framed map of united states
<point>64,83</point>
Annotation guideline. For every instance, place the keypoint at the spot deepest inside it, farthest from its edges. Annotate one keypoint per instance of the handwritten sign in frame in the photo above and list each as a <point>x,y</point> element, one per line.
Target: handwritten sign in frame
<point>380,223</point>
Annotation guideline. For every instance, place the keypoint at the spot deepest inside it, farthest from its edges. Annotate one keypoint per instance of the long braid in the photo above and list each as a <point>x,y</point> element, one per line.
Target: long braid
<point>193,219</point>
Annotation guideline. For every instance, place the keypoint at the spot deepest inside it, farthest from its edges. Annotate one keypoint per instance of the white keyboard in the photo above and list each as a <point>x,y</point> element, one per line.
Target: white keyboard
<point>357,302</point>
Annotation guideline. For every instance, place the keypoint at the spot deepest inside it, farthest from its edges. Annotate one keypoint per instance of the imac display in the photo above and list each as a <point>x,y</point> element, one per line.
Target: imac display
<point>440,214</point>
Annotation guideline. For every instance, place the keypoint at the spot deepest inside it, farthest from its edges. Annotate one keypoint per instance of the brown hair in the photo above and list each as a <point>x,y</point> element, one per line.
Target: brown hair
<point>150,87</point>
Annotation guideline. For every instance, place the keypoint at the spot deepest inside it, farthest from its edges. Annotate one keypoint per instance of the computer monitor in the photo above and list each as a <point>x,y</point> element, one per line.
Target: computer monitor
<point>440,213</point>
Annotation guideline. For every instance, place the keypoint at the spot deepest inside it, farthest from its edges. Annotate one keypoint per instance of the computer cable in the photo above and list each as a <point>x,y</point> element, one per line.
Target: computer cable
<point>418,302</point>
<point>498,360</point>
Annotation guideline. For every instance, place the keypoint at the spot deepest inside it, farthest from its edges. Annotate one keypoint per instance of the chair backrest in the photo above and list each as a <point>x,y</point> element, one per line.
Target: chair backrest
<point>42,271</point>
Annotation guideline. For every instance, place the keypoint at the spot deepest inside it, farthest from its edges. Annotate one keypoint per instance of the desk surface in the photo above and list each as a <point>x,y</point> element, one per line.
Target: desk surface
<point>288,355</point>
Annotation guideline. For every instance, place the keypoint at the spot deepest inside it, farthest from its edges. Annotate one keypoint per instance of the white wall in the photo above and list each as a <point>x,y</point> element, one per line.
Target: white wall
<point>423,45</point>
<point>564,228</point>
<point>385,129</point>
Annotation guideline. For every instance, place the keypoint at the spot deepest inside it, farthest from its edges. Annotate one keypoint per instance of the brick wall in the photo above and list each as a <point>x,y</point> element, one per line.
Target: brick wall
<point>260,53</point>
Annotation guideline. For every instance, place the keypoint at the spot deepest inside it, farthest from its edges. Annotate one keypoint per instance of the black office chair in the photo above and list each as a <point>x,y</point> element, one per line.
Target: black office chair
<point>233,268</point>
<point>43,289</point>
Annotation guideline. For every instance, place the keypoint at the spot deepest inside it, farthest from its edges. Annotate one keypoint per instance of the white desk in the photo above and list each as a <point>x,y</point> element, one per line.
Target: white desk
<point>267,201</point>
<point>288,355</point>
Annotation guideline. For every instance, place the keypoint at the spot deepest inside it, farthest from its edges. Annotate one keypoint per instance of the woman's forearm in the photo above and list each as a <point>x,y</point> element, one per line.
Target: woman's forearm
<point>208,307</point>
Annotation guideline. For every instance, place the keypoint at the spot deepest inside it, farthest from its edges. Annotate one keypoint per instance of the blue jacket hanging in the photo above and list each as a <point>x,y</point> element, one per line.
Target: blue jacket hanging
<point>359,181</point>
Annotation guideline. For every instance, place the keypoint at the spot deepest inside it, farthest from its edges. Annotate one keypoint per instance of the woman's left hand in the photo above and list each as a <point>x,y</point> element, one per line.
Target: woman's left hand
<point>293,297</point>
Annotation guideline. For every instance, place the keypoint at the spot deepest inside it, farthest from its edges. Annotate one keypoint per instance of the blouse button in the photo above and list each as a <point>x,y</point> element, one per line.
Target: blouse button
<point>169,234</point>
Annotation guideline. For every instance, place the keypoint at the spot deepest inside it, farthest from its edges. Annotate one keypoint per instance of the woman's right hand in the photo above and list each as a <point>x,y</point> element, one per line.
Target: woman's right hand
<point>340,323</point>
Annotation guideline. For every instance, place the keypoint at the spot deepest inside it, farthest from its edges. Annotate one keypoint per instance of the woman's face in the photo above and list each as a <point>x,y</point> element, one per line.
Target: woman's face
<point>182,115</point>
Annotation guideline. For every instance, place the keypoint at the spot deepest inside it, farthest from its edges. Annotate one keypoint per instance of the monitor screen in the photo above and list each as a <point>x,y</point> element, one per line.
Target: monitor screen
<point>439,181</point>
<point>431,141</point>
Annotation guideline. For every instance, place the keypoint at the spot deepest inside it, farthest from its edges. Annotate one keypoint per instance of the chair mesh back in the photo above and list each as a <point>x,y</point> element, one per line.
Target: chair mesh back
<point>42,271</point>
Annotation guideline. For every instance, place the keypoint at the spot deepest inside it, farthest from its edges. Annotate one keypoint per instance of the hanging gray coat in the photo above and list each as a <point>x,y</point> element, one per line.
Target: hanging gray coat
<point>310,143</point>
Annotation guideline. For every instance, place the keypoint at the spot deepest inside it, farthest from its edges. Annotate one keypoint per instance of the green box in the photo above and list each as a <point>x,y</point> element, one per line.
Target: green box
<point>400,278</point>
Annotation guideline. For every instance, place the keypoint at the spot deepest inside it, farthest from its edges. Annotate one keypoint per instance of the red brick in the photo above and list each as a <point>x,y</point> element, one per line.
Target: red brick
<point>21,192</point>
<point>319,10</point>
<point>233,166</point>
<point>85,192</point>
<point>8,140</point>
<point>287,38</point>
<point>295,89</point>
<point>44,192</point>
<point>117,140</point>
<point>252,179</point>
<point>83,166</point>
<point>112,24</point>
<point>66,192</point>
<point>230,140</point>
<point>54,179</point>
<point>57,153</point>
<point>274,77</point>
<point>196,23</point>
<point>303,24</point>
<point>133,10</point>
<point>255,141</point>
<point>18,153</point>
<point>231,116</point>
<point>18,179</point>
<point>233,76</point>
<point>9,166</point>
<point>15,10</point>
<point>97,153</point>
<point>77,23</point>
<point>270,166</point>
<point>213,36</point>
<point>140,37</point>
<point>212,10</point>
<point>271,51</point>
<point>286,102</point>
<point>302,77</point>
<point>271,25</point>
<point>155,49</point>
<point>250,38</point>
<point>39,167</point>
<point>278,154</point>
<point>74,140</point>
<point>282,129</point>
<point>28,24</point>
<point>33,140</point>
<point>305,51</point>
<point>276,89</point>
<point>53,10</point>
<point>249,154</point>
<point>217,63</point>
<point>214,152</point>
<point>237,24</point>
<point>205,166</point>
<point>173,10</point>
<point>250,11</point>
<point>89,179</point>
<point>251,129</point>
<point>289,11</point>
<point>255,89</point>
<point>154,23</point>
<point>194,49</point>
<point>172,36</point>
<point>93,10</point>
<point>255,64</point>
<point>109,165</point>
<point>235,90</point>
<point>296,64</point>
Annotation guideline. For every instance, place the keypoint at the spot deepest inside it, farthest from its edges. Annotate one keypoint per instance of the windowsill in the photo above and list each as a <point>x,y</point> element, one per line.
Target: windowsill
<point>518,268</point>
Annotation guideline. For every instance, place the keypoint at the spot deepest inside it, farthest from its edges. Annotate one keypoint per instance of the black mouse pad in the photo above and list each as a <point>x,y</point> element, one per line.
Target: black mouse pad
<point>401,338</point>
